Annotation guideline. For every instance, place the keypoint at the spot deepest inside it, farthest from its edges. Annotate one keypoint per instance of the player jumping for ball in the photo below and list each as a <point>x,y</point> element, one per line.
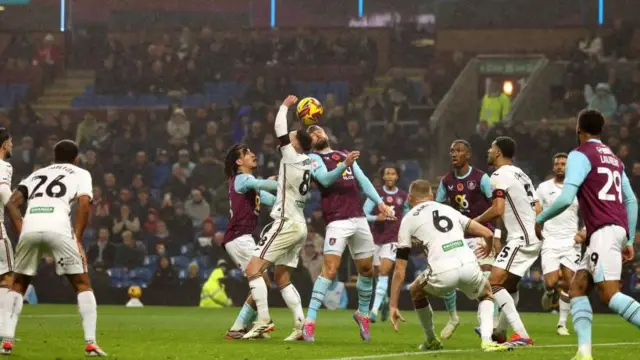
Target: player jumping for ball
<point>385,235</point>
<point>610,213</point>
<point>340,179</point>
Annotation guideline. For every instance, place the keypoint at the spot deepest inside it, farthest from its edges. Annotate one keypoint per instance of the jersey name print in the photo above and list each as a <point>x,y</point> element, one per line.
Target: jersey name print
<point>50,192</point>
<point>519,194</point>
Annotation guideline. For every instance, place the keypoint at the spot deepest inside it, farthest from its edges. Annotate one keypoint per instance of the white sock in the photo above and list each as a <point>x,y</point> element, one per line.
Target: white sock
<point>293,301</point>
<point>12,309</point>
<point>485,315</point>
<point>260,294</point>
<point>565,309</point>
<point>501,321</point>
<point>88,309</point>
<point>507,305</point>
<point>425,315</point>
<point>3,293</point>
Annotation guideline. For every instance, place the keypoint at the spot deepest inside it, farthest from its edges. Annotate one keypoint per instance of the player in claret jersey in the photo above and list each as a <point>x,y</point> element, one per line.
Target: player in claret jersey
<point>560,252</point>
<point>340,178</point>
<point>467,190</point>
<point>385,235</point>
<point>246,193</point>
<point>610,213</point>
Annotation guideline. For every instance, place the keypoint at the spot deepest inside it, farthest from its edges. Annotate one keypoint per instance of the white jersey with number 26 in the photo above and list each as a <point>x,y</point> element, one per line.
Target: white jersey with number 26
<point>50,192</point>
<point>519,196</point>
<point>440,229</point>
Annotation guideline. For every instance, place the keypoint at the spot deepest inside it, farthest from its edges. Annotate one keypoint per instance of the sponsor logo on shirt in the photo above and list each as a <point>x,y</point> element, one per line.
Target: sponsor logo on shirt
<point>41,210</point>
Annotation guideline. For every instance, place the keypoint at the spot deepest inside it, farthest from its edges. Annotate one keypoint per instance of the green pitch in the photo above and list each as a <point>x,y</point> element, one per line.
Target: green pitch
<point>54,332</point>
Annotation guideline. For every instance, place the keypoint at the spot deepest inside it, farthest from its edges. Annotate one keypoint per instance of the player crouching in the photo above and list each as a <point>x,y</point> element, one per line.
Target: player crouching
<point>452,264</point>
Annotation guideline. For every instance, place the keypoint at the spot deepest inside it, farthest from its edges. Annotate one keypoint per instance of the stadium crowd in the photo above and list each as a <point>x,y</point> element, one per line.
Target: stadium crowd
<point>161,200</point>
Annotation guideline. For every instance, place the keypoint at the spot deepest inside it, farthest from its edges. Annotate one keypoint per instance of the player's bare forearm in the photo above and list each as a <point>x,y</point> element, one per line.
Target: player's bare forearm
<point>13,207</point>
<point>397,282</point>
<point>82,216</point>
<point>495,211</point>
<point>537,207</point>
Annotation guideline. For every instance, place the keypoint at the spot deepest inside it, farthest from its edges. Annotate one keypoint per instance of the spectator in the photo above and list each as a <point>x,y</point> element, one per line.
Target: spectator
<point>592,46</point>
<point>24,157</point>
<point>141,166</point>
<point>634,284</point>
<point>184,162</point>
<point>603,100</point>
<point>47,56</point>
<point>191,78</point>
<point>161,170</point>
<point>495,105</point>
<point>109,80</point>
<point>151,222</point>
<point>208,171</point>
<point>165,280</point>
<point>178,129</point>
<point>100,210</point>
<point>129,255</point>
<point>162,236</point>
<point>145,203</point>
<point>191,285</point>
<point>127,221</point>
<point>102,253</point>
<point>197,208</point>
<point>180,225</point>
<point>178,185</point>
<point>619,41</point>
<point>92,166</point>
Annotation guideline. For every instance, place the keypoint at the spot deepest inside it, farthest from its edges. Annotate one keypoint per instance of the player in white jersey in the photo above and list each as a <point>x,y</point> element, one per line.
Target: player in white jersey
<point>281,244</point>
<point>560,252</point>
<point>453,265</point>
<point>6,250</point>
<point>515,201</point>
<point>48,194</point>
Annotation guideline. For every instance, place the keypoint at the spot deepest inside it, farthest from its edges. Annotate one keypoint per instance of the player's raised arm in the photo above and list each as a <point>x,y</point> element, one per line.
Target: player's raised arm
<point>399,273</point>
<point>245,182</point>
<point>327,178</point>
<point>578,167</point>
<point>267,198</point>
<point>280,124</point>
<point>13,205</point>
<point>370,191</point>
<point>631,203</point>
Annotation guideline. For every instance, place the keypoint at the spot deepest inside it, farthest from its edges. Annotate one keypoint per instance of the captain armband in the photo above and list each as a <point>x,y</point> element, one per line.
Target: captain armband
<point>498,193</point>
<point>403,253</point>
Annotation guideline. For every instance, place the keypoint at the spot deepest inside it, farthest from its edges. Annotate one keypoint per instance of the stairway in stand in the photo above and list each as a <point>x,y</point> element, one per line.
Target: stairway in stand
<point>58,96</point>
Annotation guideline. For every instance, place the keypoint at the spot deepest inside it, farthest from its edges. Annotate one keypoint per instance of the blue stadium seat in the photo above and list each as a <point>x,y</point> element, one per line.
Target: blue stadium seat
<point>186,250</point>
<point>118,276</point>
<point>150,261</point>
<point>140,276</point>
<point>221,222</point>
<point>205,273</point>
<point>203,261</point>
<point>182,274</point>
<point>411,171</point>
<point>147,100</point>
<point>90,90</point>
<point>181,262</point>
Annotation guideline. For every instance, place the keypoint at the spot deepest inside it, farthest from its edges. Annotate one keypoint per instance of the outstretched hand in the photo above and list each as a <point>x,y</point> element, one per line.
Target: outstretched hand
<point>290,100</point>
<point>395,315</point>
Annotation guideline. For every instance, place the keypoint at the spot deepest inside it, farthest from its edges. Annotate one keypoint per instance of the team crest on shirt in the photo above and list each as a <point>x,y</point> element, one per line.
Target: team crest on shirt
<point>471,185</point>
<point>335,157</point>
<point>459,187</point>
<point>332,241</point>
<point>389,199</point>
<point>399,201</point>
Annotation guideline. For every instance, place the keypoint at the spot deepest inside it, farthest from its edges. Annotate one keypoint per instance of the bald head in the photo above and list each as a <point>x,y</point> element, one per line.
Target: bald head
<point>420,191</point>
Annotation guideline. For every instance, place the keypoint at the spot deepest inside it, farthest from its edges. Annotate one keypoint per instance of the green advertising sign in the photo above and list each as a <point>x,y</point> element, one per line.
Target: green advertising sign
<point>507,66</point>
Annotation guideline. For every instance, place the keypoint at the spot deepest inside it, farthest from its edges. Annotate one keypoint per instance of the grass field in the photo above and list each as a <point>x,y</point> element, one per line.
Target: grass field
<point>54,332</point>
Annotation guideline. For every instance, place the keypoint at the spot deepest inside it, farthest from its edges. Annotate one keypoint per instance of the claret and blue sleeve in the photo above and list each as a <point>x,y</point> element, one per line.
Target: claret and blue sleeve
<point>245,182</point>
<point>267,198</point>
<point>485,186</point>
<point>368,210</point>
<point>441,194</point>
<point>365,184</point>
<point>321,174</point>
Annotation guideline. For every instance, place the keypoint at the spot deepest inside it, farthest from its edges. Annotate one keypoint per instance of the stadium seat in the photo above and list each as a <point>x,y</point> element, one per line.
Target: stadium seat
<point>186,250</point>
<point>182,274</point>
<point>150,261</point>
<point>205,273</point>
<point>140,276</point>
<point>181,262</point>
<point>203,261</point>
<point>118,276</point>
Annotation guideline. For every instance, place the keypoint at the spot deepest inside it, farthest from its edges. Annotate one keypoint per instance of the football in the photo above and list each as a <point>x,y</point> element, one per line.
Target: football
<point>134,291</point>
<point>309,110</point>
